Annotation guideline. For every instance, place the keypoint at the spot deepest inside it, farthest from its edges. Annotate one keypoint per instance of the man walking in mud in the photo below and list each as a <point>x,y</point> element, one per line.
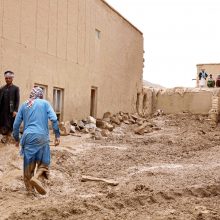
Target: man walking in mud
<point>9,102</point>
<point>35,113</point>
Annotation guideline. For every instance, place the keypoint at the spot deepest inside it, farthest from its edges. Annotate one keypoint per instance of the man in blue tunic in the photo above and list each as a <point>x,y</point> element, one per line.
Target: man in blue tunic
<point>35,113</point>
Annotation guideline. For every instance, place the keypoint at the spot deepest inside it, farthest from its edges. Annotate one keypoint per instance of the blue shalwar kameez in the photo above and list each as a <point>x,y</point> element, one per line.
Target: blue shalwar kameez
<point>35,139</point>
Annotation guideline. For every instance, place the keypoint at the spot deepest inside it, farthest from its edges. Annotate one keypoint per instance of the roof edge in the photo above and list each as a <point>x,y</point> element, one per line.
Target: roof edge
<point>121,16</point>
<point>207,64</point>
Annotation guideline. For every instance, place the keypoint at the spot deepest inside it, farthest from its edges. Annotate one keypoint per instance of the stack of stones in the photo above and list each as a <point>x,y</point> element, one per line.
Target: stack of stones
<point>101,128</point>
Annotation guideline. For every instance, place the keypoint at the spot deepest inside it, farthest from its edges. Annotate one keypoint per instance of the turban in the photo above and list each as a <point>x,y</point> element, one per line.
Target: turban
<point>36,93</point>
<point>9,74</point>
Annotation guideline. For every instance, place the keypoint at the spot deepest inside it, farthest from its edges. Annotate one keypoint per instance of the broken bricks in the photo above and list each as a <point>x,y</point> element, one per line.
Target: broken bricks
<point>100,128</point>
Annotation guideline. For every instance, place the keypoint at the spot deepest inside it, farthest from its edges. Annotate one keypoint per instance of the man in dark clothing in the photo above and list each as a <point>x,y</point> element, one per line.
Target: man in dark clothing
<point>9,102</point>
<point>210,82</point>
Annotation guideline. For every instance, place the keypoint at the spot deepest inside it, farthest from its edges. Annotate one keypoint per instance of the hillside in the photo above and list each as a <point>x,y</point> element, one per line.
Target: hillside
<point>149,84</point>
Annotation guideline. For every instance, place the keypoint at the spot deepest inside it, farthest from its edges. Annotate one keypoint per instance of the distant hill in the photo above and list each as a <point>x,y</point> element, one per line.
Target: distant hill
<point>149,84</point>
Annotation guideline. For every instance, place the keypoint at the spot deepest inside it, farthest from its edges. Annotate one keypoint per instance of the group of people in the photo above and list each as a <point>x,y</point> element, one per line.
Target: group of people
<point>204,80</point>
<point>35,113</point>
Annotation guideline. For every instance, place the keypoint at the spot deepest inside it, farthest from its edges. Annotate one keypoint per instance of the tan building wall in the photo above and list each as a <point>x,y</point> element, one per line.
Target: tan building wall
<point>211,68</point>
<point>74,45</point>
<point>179,100</point>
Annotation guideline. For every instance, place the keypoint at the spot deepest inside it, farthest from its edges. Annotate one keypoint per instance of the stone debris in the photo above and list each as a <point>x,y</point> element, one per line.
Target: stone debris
<point>141,129</point>
<point>105,132</point>
<point>135,116</point>
<point>125,117</point>
<point>81,124</point>
<point>102,128</point>
<point>91,178</point>
<point>158,112</point>
<point>90,126</point>
<point>132,121</point>
<point>126,122</point>
<point>91,120</point>
<point>115,120</point>
<point>97,136</point>
<point>72,129</point>
<point>65,128</point>
<point>73,122</point>
<point>107,115</point>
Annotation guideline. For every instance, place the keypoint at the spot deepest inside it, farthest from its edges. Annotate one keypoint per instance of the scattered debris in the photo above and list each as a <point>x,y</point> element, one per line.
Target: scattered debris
<point>90,178</point>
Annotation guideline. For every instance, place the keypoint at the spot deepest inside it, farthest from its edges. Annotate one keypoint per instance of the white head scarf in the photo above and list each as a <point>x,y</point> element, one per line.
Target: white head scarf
<point>9,74</point>
<point>36,93</point>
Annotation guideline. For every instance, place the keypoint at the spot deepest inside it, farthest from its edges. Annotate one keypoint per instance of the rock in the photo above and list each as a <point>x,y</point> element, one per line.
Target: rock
<point>156,128</point>
<point>72,129</point>
<point>115,120</point>
<point>141,129</point>
<point>131,121</point>
<point>73,122</point>
<point>106,120</point>
<point>159,112</point>
<point>105,133</point>
<point>90,126</point>
<point>120,118</point>
<point>84,120</point>
<point>125,117</point>
<point>104,125</point>
<point>135,116</point>
<point>98,135</point>
<point>100,123</point>
<point>126,122</point>
<point>121,113</point>
<point>85,130</point>
<point>109,126</point>
<point>65,128</point>
<point>147,130</point>
<point>90,120</point>
<point>139,121</point>
<point>107,115</point>
<point>81,125</point>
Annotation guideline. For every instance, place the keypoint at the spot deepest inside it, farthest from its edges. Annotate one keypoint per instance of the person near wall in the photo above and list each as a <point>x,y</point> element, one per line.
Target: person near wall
<point>35,149</point>
<point>9,103</point>
<point>210,81</point>
<point>202,78</point>
<point>217,83</point>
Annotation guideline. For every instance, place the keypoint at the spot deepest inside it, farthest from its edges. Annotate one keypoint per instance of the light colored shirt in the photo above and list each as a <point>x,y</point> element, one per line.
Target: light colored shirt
<point>35,119</point>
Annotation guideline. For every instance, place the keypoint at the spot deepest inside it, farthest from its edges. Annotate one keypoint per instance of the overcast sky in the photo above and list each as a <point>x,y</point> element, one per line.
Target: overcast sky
<point>178,34</point>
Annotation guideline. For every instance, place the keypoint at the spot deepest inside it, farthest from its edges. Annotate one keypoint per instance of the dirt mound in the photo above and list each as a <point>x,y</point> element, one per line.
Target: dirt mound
<point>169,173</point>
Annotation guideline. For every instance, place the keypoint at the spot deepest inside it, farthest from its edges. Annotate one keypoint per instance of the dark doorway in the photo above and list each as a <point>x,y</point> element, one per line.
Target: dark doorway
<point>93,102</point>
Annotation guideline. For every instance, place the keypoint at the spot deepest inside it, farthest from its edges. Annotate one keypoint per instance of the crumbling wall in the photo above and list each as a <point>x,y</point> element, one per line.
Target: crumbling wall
<point>179,100</point>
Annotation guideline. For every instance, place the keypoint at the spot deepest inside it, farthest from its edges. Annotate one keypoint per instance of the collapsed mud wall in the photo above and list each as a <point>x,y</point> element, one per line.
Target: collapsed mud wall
<point>179,100</point>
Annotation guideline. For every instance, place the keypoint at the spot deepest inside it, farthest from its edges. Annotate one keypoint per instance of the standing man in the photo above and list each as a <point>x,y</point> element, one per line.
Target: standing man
<point>210,82</point>
<point>9,102</point>
<point>202,78</point>
<point>35,113</point>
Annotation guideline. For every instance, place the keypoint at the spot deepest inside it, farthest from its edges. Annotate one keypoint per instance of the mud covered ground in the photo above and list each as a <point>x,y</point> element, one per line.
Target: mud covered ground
<point>172,172</point>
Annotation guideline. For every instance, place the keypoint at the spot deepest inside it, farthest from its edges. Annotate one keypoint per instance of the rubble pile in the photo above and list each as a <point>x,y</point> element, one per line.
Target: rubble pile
<point>102,128</point>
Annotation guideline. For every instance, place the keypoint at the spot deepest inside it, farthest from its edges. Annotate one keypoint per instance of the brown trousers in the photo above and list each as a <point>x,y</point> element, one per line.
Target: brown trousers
<point>37,170</point>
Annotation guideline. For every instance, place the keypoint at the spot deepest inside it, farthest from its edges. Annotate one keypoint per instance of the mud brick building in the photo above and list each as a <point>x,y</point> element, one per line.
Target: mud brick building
<point>83,53</point>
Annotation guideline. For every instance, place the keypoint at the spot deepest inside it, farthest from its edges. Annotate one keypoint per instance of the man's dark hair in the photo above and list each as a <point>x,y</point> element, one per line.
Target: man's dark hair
<point>8,71</point>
